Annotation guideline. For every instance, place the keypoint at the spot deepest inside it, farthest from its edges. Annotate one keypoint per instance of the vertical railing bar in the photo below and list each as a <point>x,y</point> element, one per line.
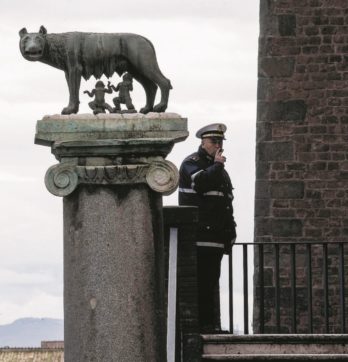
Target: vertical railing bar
<point>245,289</point>
<point>230,289</point>
<point>172,294</point>
<point>309,288</point>
<point>326,291</point>
<point>293,289</point>
<point>342,289</point>
<point>261,288</point>
<point>277,287</point>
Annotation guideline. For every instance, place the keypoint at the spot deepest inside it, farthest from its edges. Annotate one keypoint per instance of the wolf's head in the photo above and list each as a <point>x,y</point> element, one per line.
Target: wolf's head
<point>32,45</point>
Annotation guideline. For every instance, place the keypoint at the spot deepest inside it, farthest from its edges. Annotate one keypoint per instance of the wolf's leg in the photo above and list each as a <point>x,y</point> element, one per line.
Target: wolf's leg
<point>153,73</point>
<point>73,78</point>
<point>150,91</point>
<point>165,87</point>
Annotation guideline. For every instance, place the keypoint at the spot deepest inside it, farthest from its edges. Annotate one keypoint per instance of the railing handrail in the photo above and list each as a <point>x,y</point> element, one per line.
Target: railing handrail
<point>312,242</point>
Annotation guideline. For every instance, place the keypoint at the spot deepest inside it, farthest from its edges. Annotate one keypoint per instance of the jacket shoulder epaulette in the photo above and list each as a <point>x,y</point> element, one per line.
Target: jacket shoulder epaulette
<point>193,157</point>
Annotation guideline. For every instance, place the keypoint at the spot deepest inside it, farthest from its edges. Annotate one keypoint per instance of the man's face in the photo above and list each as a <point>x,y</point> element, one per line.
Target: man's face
<point>211,145</point>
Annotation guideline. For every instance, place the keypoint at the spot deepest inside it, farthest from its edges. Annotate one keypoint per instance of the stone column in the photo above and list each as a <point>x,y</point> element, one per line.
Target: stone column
<point>112,173</point>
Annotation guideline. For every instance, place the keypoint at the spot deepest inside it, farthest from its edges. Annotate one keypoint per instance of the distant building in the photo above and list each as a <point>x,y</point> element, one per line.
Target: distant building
<point>52,344</point>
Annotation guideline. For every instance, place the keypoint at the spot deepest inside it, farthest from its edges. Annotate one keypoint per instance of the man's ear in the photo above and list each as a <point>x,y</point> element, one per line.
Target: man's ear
<point>22,32</point>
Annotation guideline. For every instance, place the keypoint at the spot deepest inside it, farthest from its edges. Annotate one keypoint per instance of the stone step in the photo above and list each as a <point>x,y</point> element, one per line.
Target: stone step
<point>275,357</point>
<point>275,344</point>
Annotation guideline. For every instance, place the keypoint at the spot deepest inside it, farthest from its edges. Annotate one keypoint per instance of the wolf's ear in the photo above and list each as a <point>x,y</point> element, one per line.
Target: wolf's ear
<point>43,30</point>
<point>22,32</point>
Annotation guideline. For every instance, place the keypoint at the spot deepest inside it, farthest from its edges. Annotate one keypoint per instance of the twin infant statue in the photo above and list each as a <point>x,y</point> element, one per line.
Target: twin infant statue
<point>98,105</point>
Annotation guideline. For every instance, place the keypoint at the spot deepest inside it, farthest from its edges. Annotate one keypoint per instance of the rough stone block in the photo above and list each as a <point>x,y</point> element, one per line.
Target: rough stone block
<point>287,227</point>
<point>343,175</point>
<point>287,189</point>
<point>293,110</point>
<point>263,88</point>
<point>268,277</point>
<point>264,132</point>
<point>276,67</point>
<point>283,213</point>
<point>262,189</point>
<point>262,170</point>
<point>263,226</point>
<point>262,207</point>
<point>267,19</point>
<point>296,166</point>
<point>275,151</point>
<point>313,233</point>
<point>287,25</point>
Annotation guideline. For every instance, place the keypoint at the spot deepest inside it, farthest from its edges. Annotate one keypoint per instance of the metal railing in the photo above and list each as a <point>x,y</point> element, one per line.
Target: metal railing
<point>311,273</point>
<point>285,260</point>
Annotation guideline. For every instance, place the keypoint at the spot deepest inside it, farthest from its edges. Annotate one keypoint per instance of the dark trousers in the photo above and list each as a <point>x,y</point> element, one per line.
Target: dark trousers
<point>208,274</point>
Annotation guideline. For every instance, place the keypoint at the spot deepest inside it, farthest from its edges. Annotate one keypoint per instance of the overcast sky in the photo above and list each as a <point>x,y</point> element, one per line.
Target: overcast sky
<point>208,49</point>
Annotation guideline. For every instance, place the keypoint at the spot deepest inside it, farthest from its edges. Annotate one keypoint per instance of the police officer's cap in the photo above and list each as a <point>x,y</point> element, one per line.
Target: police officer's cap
<point>212,130</point>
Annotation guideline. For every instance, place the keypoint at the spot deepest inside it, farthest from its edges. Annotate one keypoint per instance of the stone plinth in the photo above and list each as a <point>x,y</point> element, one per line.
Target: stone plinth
<point>112,174</point>
<point>86,127</point>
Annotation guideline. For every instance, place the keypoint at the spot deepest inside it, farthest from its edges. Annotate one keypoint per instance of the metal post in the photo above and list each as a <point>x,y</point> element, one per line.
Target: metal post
<point>326,291</point>
<point>245,288</point>
<point>277,287</point>
<point>171,319</point>
<point>309,288</point>
<point>342,288</point>
<point>261,288</point>
<point>293,289</point>
<point>230,289</point>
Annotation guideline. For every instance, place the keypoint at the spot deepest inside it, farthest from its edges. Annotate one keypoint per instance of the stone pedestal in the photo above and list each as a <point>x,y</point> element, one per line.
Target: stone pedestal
<point>112,173</point>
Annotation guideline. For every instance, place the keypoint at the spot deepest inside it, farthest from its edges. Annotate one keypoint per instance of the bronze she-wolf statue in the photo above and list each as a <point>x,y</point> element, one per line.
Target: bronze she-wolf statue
<point>85,54</point>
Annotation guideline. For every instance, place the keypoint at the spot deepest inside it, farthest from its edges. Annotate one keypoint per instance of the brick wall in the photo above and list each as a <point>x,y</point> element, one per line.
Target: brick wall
<point>302,149</point>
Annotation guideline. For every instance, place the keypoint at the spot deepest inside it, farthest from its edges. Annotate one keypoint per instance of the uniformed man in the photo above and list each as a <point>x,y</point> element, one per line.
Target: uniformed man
<point>205,183</point>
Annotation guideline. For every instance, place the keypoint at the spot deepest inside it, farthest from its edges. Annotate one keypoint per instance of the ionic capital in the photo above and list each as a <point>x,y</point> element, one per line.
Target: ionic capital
<point>161,176</point>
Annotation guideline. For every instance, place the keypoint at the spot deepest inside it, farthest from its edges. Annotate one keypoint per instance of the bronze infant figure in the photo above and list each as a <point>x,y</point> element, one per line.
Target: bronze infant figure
<point>81,54</point>
<point>124,88</point>
<point>99,105</point>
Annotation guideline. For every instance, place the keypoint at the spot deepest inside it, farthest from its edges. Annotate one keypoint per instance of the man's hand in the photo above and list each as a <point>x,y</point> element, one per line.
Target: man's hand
<point>219,157</point>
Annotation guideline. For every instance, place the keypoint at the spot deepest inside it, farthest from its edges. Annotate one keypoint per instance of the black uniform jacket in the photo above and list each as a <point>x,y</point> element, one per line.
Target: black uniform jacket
<point>206,184</point>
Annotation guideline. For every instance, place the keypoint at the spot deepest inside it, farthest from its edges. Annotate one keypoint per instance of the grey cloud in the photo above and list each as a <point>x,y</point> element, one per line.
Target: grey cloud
<point>110,9</point>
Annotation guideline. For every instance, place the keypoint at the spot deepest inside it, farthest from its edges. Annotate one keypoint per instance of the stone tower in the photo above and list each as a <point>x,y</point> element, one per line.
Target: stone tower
<point>302,155</point>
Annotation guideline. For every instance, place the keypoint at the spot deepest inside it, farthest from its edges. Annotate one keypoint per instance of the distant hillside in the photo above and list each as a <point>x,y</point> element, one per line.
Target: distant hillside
<point>29,332</point>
